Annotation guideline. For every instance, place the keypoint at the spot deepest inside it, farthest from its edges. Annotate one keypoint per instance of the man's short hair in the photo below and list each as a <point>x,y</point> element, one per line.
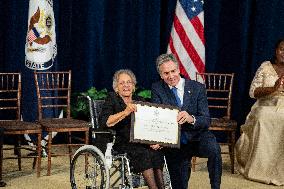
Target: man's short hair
<point>165,58</point>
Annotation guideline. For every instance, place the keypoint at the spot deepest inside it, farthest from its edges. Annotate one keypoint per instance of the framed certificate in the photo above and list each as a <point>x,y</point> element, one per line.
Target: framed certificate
<point>155,124</point>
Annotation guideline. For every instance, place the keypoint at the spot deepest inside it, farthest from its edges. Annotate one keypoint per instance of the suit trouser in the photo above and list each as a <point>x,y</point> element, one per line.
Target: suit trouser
<point>179,160</point>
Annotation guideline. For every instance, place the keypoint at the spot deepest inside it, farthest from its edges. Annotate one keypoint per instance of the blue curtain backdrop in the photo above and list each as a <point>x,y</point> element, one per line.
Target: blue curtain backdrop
<point>97,37</point>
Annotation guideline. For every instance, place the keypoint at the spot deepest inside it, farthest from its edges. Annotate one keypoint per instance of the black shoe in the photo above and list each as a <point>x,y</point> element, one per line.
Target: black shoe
<point>2,183</point>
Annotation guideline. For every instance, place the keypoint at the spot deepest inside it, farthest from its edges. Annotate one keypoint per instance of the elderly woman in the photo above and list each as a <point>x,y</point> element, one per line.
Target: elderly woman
<point>259,150</point>
<point>116,111</point>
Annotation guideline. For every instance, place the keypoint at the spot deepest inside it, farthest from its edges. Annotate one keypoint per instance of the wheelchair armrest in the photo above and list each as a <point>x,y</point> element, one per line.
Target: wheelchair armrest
<point>104,131</point>
<point>112,131</point>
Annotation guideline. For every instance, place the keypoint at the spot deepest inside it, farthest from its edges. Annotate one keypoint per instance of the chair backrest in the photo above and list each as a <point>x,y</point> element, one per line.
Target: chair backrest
<point>100,135</point>
<point>95,110</point>
<point>10,96</point>
<point>219,92</point>
<point>53,92</point>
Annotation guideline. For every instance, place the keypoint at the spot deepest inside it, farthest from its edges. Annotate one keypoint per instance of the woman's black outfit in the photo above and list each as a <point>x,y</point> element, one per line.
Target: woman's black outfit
<point>141,156</point>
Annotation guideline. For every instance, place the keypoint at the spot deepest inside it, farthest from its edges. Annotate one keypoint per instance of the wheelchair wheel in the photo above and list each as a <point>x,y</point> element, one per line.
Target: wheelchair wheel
<point>88,169</point>
<point>167,179</point>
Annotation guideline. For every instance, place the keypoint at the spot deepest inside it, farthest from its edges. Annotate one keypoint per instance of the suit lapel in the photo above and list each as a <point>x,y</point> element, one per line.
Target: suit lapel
<point>187,94</point>
<point>170,95</point>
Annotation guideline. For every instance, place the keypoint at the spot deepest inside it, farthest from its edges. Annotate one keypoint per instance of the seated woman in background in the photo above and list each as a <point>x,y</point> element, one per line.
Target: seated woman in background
<point>260,149</point>
<point>116,112</point>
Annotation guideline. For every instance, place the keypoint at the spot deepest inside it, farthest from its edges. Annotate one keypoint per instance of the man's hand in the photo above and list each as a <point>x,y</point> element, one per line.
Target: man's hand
<point>156,146</point>
<point>183,117</point>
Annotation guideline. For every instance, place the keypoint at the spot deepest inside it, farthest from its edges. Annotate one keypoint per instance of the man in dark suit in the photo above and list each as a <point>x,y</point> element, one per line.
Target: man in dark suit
<point>194,118</point>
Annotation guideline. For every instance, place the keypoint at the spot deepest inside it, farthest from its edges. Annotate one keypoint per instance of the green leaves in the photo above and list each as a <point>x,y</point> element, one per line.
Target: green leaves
<point>145,93</point>
<point>95,94</point>
<point>80,104</point>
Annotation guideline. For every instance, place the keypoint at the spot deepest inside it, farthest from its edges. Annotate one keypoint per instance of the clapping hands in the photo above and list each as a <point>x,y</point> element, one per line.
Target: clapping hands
<point>279,84</point>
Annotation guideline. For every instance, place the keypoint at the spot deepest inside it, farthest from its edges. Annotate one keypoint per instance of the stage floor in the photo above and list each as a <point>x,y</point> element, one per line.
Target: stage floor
<point>26,179</point>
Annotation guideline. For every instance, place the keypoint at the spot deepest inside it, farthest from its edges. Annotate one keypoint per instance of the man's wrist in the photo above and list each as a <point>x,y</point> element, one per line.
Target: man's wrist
<point>194,120</point>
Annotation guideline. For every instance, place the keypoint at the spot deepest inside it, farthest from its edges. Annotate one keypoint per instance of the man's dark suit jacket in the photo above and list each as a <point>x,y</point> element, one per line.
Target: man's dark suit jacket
<point>194,102</point>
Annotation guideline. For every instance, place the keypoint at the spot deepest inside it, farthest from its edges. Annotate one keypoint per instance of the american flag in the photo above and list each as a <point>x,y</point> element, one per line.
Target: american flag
<point>32,35</point>
<point>187,41</point>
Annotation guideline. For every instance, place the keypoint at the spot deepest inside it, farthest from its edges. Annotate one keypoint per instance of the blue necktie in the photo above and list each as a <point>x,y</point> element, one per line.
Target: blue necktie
<point>174,89</point>
<point>183,138</point>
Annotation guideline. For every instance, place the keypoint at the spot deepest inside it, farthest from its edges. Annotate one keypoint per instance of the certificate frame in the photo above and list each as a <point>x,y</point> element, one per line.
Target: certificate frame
<point>166,133</point>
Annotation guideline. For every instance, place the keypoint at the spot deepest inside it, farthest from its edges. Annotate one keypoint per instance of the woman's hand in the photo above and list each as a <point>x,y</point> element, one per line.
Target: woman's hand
<point>130,108</point>
<point>114,119</point>
<point>279,84</point>
<point>278,87</point>
<point>156,146</point>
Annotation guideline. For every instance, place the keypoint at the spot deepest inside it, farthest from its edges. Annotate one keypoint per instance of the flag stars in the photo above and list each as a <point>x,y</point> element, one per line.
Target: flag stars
<point>198,2</point>
<point>193,9</point>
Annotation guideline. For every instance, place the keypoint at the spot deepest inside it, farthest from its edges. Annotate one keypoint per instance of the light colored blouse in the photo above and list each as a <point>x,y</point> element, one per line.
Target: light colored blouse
<point>265,76</point>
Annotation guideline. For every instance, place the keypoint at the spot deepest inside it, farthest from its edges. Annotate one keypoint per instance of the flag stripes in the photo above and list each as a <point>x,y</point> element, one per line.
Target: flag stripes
<point>187,40</point>
<point>32,35</point>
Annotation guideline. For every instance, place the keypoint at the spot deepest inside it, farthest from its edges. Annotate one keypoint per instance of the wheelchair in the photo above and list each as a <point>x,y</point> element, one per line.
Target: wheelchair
<point>92,169</point>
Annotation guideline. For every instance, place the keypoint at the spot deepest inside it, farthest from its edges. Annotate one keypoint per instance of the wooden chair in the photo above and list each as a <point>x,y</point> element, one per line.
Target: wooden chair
<point>219,94</point>
<point>10,120</point>
<point>53,94</point>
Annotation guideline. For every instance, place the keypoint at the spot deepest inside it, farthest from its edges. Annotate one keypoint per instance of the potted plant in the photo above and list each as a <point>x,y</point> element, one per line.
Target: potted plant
<point>145,93</point>
<point>80,105</point>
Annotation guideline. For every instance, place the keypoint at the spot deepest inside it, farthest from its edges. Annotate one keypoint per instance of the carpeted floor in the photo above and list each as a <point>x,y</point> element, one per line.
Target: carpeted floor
<point>26,179</point>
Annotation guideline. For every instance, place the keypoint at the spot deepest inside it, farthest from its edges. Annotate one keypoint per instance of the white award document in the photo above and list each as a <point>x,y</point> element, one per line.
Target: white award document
<point>155,124</point>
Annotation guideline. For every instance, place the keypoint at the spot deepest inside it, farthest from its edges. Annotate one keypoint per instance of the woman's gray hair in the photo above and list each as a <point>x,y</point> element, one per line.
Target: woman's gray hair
<point>122,71</point>
<point>165,58</point>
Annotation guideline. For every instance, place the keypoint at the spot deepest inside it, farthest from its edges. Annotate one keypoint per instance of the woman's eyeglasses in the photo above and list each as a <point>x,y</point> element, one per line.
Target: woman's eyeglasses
<point>125,83</point>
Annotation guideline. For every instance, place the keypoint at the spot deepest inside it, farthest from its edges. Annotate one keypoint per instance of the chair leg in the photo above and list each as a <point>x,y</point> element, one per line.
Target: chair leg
<point>18,151</point>
<point>38,154</point>
<point>87,137</point>
<point>35,158</point>
<point>86,142</point>
<point>49,153</point>
<point>1,151</point>
<point>232,152</point>
<point>193,163</point>
<point>69,147</point>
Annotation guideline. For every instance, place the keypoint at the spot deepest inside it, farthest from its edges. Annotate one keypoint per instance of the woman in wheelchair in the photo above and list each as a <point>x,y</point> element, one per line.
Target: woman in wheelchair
<point>145,159</point>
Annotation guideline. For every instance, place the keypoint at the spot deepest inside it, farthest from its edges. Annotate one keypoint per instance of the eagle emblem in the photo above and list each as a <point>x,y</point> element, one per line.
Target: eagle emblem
<point>41,48</point>
<point>38,33</point>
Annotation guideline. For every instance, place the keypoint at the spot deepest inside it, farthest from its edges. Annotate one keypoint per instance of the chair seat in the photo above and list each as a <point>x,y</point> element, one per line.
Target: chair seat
<point>63,123</point>
<point>19,126</point>
<point>223,122</point>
